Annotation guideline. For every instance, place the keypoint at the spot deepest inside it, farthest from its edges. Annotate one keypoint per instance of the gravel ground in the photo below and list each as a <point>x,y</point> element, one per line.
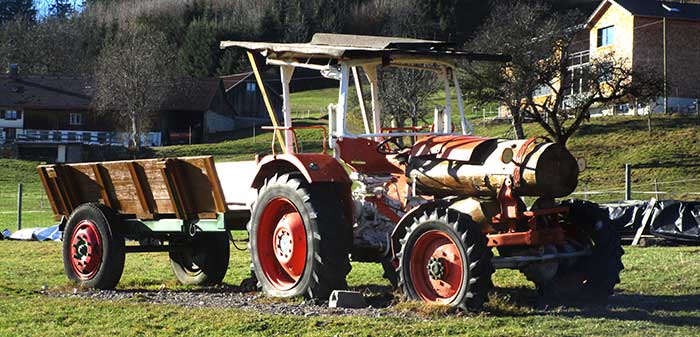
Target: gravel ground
<point>237,297</point>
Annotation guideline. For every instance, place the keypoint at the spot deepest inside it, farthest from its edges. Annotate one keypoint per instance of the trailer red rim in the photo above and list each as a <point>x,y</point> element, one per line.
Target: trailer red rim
<point>86,250</point>
<point>436,267</point>
<point>281,244</point>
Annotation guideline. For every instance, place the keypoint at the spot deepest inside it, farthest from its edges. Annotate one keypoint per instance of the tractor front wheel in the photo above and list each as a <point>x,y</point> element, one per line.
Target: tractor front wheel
<point>444,260</point>
<point>299,238</point>
<point>93,250</point>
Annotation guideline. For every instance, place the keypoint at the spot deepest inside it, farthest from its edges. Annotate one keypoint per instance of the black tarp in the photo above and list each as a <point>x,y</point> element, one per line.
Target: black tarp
<point>672,219</point>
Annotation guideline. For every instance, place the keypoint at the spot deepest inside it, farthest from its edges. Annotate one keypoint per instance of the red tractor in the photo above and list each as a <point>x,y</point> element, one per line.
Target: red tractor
<point>430,203</point>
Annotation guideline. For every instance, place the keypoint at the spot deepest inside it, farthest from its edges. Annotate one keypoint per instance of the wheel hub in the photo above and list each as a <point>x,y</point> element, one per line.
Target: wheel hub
<point>436,268</point>
<point>284,243</point>
<point>86,249</point>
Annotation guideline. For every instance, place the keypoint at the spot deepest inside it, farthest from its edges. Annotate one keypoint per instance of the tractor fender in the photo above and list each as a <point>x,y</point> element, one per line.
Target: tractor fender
<point>315,167</point>
<point>408,218</point>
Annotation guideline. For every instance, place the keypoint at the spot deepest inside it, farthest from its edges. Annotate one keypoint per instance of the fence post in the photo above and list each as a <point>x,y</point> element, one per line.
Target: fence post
<point>628,182</point>
<point>19,206</point>
<point>656,189</point>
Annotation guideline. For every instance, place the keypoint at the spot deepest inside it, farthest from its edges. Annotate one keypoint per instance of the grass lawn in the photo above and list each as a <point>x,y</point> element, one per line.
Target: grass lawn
<point>658,296</point>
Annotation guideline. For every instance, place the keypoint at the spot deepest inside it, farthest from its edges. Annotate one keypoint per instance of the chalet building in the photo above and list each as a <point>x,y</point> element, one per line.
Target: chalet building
<point>246,99</point>
<point>249,107</point>
<point>636,30</point>
<point>53,117</point>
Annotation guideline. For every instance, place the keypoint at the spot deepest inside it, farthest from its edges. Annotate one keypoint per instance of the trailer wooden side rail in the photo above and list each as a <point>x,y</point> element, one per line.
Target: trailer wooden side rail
<point>179,190</point>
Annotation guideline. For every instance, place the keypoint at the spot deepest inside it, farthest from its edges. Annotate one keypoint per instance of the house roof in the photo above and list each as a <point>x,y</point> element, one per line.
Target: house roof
<point>69,93</point>
<point>196,96</point>
<point>45,92</point>
<point>651,8</point>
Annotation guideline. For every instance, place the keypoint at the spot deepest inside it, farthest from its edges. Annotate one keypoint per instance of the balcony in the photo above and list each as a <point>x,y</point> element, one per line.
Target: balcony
<point>30,136</point>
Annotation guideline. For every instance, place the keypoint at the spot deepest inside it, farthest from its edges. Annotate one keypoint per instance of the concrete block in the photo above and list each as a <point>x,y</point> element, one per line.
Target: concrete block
<point>346,299</point>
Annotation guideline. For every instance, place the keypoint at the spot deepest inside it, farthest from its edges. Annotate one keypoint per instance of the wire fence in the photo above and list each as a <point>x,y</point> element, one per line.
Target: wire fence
<point>681,188</point>
<point>30,210</point>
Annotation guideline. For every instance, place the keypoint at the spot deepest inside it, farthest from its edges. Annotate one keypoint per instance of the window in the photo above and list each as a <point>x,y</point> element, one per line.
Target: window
<point>606,36</point>
<point>76,118</point>
<point>9,114</point>
<point>250,87</point>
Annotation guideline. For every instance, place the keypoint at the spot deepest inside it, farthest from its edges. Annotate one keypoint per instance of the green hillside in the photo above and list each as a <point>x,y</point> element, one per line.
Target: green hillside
<point>670,154</point>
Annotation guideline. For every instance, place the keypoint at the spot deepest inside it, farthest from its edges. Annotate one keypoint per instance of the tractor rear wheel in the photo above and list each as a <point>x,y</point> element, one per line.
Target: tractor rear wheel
<point>593,276</point>
<point>300,238</point>
<point>444,260</point>
<point>93,250</point>
<point>204,261</point>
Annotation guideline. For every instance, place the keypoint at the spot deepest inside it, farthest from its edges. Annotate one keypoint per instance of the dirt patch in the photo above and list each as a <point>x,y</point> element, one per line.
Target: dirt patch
<point>380,301</point>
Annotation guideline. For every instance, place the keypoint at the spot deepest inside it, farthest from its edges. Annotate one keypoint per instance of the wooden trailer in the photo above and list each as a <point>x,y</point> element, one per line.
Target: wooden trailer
<point>176,205</point>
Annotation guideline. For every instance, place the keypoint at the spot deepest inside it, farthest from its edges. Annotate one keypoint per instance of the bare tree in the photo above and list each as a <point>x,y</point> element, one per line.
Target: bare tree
<point>406,94</point>
<point>134,77</point>
<point>605,80</point>
<point>528,32</point>
<point>539,82</point>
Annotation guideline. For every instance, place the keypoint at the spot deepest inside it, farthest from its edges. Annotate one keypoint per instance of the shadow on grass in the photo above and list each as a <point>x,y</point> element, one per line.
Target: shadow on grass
<point>661,309</point>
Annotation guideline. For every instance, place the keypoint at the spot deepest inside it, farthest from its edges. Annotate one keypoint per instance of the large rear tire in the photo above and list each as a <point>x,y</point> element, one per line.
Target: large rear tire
<point>93,250</point>
<point>300,238</point>
<point>444,260</point>
<point>204,261</point>
<point>594,276</point>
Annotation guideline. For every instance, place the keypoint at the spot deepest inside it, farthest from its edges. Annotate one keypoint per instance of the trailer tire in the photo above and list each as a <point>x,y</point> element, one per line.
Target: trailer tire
<point>204,261</point>
<point>93,248</point>
<point>444,260</point>
<point>300,238</point>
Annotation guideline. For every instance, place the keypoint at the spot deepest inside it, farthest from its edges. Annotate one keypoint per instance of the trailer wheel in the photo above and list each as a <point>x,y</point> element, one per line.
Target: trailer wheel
<point>300,238</point>
<point>93,251</point>
<point>444,260</point>
<point>594,276</point>
<point>204,261</point>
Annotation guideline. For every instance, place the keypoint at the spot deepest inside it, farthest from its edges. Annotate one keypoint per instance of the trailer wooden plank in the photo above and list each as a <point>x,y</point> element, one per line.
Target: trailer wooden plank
<point>83,184</point>
<point>173,192</point>
<point>215,183</point>
<point>65,183</point>
<point>54,186</point>
<point>50,192</point>
<point>146,211</point>
<point>106,199</point>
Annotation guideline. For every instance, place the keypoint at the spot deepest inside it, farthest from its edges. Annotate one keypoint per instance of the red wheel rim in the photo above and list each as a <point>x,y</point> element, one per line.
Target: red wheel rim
<point>436,267</point>
<point>281,244</point>
<point>86,250</point>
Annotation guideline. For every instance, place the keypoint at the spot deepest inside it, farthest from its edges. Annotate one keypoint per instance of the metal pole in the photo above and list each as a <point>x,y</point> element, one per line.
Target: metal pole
<point>665,81</point>
<point>19,206</point>
<point>628,182</point>
<point>656,189</point>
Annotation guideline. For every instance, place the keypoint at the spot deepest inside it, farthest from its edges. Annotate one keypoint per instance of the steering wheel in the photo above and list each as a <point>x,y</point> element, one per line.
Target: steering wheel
<point>384,148</point>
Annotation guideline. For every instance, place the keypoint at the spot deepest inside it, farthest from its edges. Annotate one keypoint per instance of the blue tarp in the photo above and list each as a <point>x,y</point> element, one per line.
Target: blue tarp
<point>34,234</point>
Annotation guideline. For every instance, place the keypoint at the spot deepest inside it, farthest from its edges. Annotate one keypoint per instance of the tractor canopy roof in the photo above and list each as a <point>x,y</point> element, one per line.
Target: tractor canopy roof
<point>344,48</point>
